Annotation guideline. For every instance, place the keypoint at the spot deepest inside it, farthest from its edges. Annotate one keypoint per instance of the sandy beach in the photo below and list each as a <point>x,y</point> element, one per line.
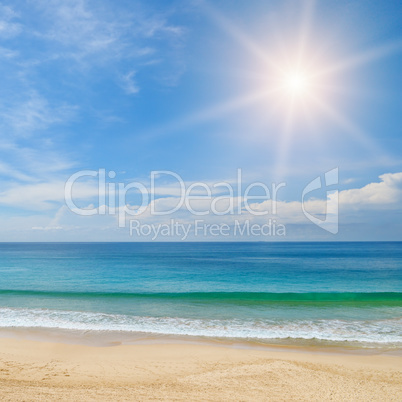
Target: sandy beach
<point>34,370</point>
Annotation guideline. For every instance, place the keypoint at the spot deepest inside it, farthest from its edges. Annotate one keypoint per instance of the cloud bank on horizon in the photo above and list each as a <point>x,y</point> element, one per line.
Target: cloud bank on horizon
<point>285,92</point>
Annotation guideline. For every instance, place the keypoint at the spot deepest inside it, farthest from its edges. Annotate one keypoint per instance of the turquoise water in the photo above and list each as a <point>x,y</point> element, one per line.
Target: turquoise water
<point>319,293</point>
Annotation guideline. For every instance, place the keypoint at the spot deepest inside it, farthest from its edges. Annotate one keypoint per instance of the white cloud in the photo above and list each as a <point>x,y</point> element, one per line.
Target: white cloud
<point>57,220</point>
<point>385,194</point>
<point>44,195</point>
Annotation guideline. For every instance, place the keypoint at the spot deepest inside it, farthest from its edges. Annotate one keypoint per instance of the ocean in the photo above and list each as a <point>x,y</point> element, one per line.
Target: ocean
<point>329,294</point>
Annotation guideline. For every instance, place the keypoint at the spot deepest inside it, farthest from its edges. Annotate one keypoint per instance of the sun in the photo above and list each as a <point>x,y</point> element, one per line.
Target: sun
<point>296,83</point>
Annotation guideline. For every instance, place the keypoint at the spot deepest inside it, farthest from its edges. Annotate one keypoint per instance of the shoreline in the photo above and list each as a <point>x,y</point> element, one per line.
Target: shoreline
<point>177,371</point>
<point>115,338</point>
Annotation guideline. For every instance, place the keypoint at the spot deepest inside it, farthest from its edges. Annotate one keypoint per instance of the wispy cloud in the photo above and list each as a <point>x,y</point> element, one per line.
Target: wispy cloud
<point>44,195</point>
<point>33,112</point>
<point>61,42</point>
<point>129,84</point>
<point>8,25</point>
<point>99,32</point>
<point>7,53</point>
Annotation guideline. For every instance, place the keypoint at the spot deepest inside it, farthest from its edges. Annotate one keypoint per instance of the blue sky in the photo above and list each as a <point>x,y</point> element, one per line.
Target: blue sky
<point>194,87</point>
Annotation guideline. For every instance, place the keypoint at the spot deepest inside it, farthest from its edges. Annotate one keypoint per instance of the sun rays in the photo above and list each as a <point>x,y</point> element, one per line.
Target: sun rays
<point>296,81</point>
<point>302,83</point>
